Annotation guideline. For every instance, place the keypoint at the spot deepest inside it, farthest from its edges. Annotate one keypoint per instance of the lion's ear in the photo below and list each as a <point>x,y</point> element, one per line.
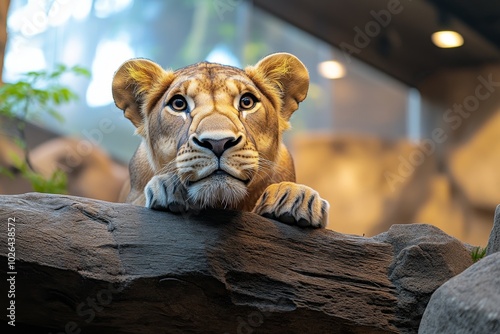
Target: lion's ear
<point>288,75</point>
<point>137,85</point>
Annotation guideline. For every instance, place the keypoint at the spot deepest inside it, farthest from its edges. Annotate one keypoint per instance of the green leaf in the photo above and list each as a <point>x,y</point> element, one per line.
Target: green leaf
<point>58,72</point>
<point>78,70</point>
<point>6,110</point>
<point>478,253</point>
<point>35,75</point>
<point>22,145</point>
<point>41,96</point>
<point>67,95</point>
<point>18,162</point>
<point>56,184</point>
<point>6,172</point>
<point>56,98</point>
<point>56,115</point>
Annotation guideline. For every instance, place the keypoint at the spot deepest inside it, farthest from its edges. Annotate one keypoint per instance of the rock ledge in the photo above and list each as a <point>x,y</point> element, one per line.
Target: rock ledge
<point>106,267</point>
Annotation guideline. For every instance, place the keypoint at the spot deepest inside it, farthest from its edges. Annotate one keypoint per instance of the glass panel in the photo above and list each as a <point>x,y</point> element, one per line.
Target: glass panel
<point>101,34</point>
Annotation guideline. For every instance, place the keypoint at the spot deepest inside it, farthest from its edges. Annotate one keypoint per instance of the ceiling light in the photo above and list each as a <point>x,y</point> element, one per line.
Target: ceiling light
<point>447,39</point>
<point>331,69</point>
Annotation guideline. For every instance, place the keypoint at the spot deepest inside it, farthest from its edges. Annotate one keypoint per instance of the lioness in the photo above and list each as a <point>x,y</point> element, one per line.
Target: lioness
<point>212,137</point>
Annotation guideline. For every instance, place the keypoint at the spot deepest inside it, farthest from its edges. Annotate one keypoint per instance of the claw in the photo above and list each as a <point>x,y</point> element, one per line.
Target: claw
<point>293,204</point>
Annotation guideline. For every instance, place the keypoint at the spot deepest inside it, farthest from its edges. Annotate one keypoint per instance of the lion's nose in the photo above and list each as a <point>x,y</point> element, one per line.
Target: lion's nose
<point>218,146</point>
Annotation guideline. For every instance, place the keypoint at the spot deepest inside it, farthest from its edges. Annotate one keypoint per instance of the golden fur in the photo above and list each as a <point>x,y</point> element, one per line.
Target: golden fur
<point>212,137</point>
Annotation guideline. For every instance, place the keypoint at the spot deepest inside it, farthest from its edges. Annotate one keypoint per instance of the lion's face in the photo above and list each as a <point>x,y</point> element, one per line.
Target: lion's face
<point>208,128</point>
<point>217,128</point>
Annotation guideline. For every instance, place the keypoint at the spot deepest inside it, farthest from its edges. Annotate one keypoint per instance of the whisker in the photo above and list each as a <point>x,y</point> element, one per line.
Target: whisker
<point>169,167</point>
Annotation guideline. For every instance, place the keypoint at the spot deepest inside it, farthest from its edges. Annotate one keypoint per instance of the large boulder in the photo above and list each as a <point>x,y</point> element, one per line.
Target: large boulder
<point>102,267</point>
<point>419,251</point>
<point>494,240</point>
<point>468,303</point>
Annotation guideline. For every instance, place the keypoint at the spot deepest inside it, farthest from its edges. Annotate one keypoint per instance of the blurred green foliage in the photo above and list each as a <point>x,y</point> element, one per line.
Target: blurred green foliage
<point>38,92</point>
<point>34,94</point>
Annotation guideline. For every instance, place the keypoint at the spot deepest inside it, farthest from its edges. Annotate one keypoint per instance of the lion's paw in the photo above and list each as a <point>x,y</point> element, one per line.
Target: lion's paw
<point>165,192</point>
<point>293,203</point>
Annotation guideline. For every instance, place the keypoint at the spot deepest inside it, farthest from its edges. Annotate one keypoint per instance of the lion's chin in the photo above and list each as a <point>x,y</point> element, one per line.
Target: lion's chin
<point>218,192</point>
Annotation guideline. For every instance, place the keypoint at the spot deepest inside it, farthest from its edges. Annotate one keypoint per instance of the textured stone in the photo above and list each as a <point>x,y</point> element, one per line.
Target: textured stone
<point>494,240</point>
<point>468,303</point>
<point>107,267</point>
<point>425,258</point>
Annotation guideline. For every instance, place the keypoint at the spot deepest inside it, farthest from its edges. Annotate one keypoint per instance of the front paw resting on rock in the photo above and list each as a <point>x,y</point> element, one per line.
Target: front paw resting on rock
<point>293,203</point>
<point>165,192</point>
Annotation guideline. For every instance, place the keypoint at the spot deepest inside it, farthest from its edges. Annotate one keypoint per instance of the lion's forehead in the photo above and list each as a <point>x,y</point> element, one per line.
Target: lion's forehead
<point>210,78</point>
<point>210,69</point>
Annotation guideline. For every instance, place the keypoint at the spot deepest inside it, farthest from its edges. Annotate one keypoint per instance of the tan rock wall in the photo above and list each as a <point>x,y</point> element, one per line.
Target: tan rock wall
<point>475,164</point>
<point>372,184</point>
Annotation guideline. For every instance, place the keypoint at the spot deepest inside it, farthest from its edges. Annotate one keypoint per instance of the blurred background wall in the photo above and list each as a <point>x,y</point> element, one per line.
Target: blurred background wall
<point>395,129</point>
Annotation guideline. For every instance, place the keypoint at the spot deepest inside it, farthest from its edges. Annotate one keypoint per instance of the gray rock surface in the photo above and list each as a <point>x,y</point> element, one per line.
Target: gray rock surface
<point>468,303</point>
<point>494,240</point>
<point>103,267</point>
<point>424,258</point>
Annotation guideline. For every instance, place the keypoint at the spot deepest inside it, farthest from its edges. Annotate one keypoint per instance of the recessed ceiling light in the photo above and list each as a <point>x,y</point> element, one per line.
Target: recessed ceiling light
<point>331,69</point>
<point>447,39</point>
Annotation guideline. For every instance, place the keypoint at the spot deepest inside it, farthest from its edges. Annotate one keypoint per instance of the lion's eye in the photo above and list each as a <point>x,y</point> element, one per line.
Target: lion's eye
<point>247,101</point>
<point>178,103</point>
